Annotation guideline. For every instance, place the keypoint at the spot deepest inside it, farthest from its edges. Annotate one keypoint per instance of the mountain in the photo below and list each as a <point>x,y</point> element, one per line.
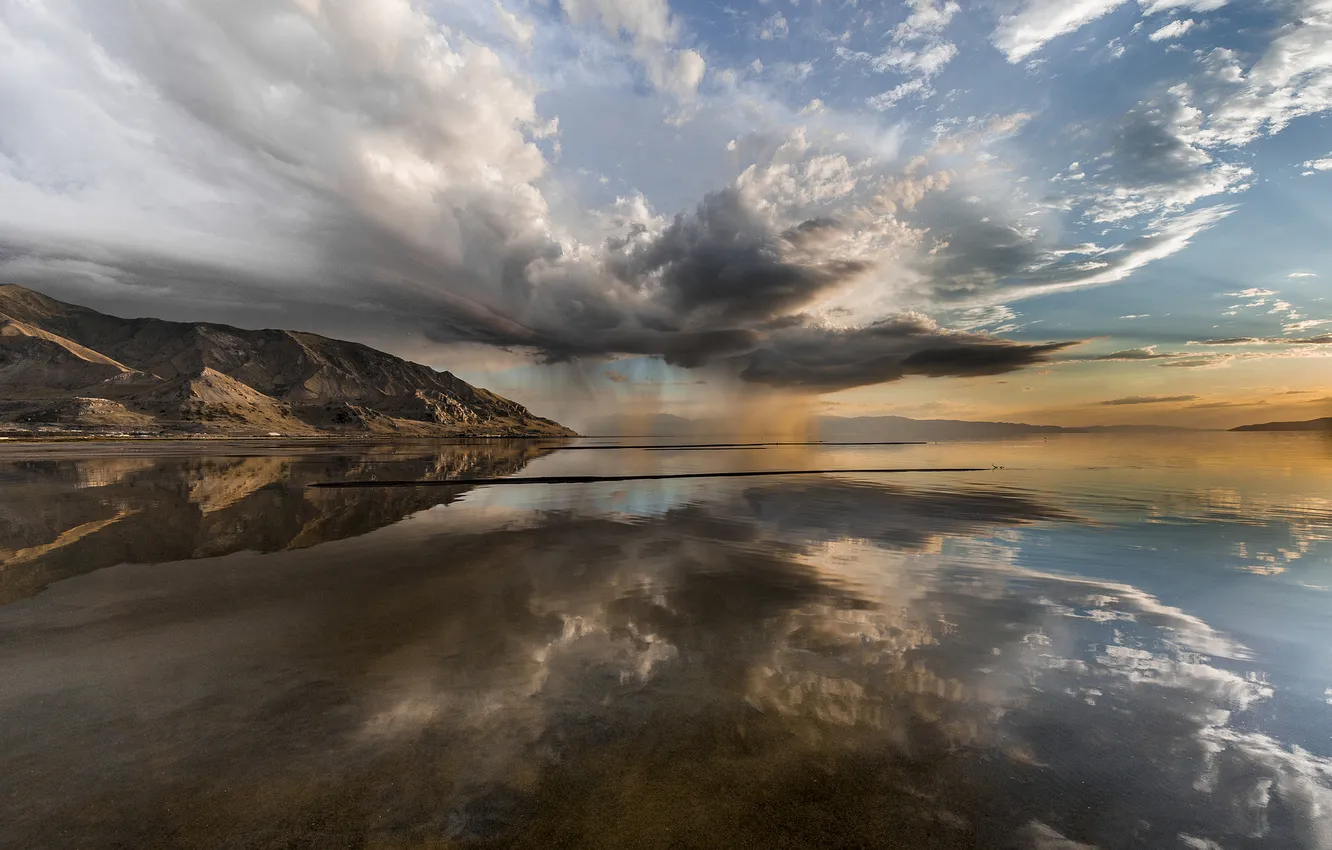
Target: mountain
<point>871,428</point>
<point>65,367</point>
<point>855,429</point>
<point>1324,424</point>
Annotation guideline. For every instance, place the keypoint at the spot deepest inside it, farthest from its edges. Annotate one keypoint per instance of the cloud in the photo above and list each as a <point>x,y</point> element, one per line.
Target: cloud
<point>1147,399</point>
<point>888,99</point>
<point>1156,165</point>
<point>1037,22</point>
<point>1173,30</point>
<point>978,132</point>
<point>314,137</point>
<point>1003,262</point>
<point>519,29</point>
<point>615,376</point>
<point>774,27</point>
<point>1292,78</point>
<point>826,359</point>
<point>928,19</point>
<point>1131,355</point>
<point>1152,7</point>
<point>1304,325</point>
<point>365,166</point>
<point>926,60</point>
<point>917,47</point>
<point>1253,292</point>
<point>1325,339</point>
<point>1295,275</point>
<point>651,32</point>
<point>1313,165</point>
<point>984,317</point>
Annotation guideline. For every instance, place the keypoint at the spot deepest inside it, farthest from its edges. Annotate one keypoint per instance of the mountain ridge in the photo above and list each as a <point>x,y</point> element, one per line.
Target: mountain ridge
<point>1323,424</point>
<point>65,366</point>
<point>860,428</point>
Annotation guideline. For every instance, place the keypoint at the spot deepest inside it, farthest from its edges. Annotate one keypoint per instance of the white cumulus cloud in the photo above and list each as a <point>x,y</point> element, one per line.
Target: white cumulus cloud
<point>1174,29</point>
<point>1324,164</point>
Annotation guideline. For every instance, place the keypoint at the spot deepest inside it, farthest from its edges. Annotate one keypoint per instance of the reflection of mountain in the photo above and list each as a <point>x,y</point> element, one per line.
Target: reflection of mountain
<point>831,665</point>
<point>65,367</point>
<point>62,518</point>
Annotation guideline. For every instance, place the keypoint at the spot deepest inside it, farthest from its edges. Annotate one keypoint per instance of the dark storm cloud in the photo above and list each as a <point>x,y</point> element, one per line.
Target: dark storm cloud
<point>827,359</point>
<point>719,285</point>
<point>355,169</point>
<point>723,262</point>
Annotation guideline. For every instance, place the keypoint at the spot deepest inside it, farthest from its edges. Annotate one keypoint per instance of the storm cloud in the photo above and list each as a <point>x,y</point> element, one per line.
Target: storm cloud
<point>364,169</point>
<point>826,360</point>
<point>376,169</point>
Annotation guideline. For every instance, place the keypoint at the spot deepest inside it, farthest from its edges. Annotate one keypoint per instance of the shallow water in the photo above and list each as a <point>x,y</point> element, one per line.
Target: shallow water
<point>1106,641</point>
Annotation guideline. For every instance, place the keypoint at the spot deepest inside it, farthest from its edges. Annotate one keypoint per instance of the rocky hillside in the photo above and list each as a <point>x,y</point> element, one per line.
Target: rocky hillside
<point>69,368</point>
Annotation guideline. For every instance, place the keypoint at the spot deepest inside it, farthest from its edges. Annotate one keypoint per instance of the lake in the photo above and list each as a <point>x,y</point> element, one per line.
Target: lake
<point>1092,641</point>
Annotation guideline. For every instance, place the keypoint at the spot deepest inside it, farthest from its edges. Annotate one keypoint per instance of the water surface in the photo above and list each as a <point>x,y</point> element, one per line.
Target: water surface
<point>1098,641</point>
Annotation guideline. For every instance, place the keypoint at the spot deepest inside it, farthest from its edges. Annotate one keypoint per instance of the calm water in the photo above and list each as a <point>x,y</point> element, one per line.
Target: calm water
<point>1107,642</point>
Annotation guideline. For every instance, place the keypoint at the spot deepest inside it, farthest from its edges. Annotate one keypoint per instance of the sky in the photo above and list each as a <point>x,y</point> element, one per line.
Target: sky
<point>1055,211</point>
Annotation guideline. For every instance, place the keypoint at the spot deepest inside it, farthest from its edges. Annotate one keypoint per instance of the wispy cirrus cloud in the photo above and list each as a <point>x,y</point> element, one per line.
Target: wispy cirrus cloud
<point>1036,22</point>
<point>1324,339</point>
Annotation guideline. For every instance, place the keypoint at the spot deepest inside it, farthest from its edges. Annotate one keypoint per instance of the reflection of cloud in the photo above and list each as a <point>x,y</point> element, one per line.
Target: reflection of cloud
<point>1038,836</point>
<point>870,661</point>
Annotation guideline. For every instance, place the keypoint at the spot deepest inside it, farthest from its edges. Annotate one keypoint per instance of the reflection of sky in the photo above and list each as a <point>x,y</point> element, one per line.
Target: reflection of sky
<point>1079,644</point>
<point>641,498</point>
<point>1241,541</point>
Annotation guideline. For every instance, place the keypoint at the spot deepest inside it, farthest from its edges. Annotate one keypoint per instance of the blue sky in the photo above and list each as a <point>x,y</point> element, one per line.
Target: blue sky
<point>1017,208</point>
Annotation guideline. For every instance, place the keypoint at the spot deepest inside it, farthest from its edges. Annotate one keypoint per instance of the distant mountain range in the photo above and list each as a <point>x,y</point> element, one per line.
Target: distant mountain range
<point>1324,424</point>
<point>65,368</point>
<point>856,429</point>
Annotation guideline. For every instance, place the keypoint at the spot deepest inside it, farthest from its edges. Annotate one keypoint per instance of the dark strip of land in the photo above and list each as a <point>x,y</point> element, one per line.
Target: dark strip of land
<point>667,447</point>
<point>597,479</point>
